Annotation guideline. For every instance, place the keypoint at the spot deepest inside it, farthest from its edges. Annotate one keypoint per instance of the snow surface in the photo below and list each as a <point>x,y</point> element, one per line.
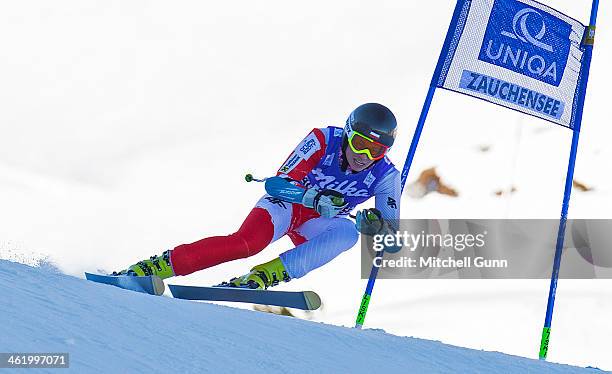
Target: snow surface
<point>106,329</point>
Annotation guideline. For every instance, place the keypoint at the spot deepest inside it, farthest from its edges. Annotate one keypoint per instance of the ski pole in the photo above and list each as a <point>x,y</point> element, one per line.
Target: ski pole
<point>250,178</point>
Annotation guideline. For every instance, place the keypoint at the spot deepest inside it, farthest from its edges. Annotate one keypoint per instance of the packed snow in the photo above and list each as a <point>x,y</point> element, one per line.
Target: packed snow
<point>105,329</point>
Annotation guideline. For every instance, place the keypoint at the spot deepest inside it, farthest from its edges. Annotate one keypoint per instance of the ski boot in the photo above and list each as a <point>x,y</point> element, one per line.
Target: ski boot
<point>155,265</point>
<point>261,276</point>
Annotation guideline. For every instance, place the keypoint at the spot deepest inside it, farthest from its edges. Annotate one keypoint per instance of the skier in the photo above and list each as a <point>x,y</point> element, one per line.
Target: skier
<point>327,175</point>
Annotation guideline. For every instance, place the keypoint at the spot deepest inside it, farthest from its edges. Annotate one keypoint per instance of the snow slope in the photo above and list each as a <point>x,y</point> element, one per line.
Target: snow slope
<point>106,329</point>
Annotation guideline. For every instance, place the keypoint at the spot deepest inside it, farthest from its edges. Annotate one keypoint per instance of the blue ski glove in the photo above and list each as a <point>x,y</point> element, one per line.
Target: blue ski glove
<point>328,203</point>
<point>369,222</point>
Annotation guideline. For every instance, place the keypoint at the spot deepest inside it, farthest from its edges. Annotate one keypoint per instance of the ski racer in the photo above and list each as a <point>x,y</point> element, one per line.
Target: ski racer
<point>330,172</point>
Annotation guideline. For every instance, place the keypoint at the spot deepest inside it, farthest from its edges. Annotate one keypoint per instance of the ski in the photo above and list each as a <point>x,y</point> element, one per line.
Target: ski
<point>151,284</point>
<point>305,300</point>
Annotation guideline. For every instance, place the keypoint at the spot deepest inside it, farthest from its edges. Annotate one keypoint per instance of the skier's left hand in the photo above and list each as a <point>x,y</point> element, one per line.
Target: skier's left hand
<point>369,221</point>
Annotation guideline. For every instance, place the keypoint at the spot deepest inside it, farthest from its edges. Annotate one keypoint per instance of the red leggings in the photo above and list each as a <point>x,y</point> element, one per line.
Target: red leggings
<point>255,234</point>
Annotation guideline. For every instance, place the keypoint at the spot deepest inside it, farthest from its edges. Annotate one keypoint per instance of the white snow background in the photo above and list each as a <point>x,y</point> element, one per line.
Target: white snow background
<point>126,128</point>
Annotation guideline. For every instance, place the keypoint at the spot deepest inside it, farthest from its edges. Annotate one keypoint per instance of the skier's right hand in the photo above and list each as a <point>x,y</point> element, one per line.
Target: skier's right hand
<point>328,203</point>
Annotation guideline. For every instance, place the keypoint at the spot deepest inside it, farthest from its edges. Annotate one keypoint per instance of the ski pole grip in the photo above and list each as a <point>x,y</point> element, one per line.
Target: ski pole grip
<point>338,200</point>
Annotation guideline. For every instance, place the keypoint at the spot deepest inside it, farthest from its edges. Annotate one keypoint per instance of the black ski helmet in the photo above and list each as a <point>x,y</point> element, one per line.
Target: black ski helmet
<point>373,120</point>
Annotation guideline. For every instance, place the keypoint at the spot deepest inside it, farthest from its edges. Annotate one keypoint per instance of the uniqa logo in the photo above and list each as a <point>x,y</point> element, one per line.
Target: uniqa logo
<point>519,24</point>
<point>525,40</point>
<point>521,59</point>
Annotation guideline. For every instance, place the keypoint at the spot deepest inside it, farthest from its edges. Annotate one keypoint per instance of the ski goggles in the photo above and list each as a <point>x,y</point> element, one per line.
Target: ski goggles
<point>360,143</point>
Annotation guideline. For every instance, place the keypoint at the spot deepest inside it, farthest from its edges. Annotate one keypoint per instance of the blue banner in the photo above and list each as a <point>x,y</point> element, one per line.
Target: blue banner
<point>519,54</point>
